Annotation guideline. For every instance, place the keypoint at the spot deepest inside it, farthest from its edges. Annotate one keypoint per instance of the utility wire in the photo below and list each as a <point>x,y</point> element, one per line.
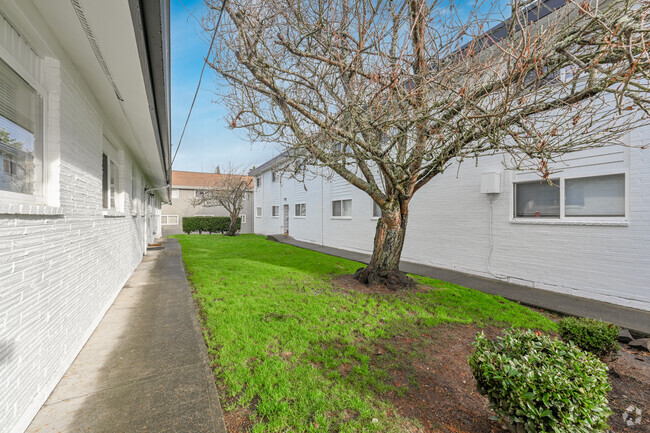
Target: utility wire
<point>205,62</point>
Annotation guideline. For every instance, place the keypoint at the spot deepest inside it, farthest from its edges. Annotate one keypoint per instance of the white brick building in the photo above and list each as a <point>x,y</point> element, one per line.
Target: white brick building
<point>453,225</point>
<point>85,166</point>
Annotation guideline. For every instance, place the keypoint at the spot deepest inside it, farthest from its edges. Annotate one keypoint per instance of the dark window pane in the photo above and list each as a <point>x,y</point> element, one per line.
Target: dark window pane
<point>537,199</point>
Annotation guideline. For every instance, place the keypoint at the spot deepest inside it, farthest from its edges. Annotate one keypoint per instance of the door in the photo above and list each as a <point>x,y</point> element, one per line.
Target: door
<point>286,219</point>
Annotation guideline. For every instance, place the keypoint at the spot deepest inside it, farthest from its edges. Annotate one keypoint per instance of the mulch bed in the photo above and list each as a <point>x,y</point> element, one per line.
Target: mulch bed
<point>439,390</point>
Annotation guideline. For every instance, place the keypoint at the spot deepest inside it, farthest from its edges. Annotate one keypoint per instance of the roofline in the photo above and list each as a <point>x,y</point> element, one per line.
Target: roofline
<point>151,25</point>
<point>268,164</point>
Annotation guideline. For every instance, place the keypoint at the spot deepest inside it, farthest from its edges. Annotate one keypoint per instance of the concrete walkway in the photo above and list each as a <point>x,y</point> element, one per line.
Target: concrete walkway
<point>145,368</point>
<point>630,318</point>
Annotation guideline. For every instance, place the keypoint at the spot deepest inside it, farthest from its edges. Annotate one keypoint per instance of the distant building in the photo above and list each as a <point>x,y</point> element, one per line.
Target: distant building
<point>589,237</point>
<point>187,189</point>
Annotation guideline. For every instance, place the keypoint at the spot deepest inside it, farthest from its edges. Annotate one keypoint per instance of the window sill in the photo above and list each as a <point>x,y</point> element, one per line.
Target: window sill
<point>113,214</point>
<point>300,217</point>
<point>29,209</point>
<point>555,222</point>
<point>341,217</point>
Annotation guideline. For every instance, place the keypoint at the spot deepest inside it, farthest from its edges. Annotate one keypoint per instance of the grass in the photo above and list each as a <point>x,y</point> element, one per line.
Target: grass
<point>284,342</point>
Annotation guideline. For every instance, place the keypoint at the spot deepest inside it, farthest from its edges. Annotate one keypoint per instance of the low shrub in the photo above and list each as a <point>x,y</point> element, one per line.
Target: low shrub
<point>536,383</point>
<point>208,224</point>
<point>599,338</point>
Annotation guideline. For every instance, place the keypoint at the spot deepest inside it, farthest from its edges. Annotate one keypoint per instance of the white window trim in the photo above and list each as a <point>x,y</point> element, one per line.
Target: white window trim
<point>178,193</point>
<point>577,220</point>
<point>44,181</point>
<point>260,213</point>
<point>275,216</point>
<point>343,217</point>
<point>300,216</point>
<point>372,211</point>
<point>166,217</point>
<point>243,218</point>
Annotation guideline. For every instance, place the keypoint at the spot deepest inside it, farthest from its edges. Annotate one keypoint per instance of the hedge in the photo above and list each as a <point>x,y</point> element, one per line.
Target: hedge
<point>599,338</point>
<point>536,383</point>
<point>208,224</point>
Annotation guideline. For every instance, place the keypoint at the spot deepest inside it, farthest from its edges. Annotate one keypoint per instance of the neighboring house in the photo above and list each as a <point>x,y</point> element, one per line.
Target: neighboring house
<point>187,190</point>
<point>84,150</point>
<point>590,237</point>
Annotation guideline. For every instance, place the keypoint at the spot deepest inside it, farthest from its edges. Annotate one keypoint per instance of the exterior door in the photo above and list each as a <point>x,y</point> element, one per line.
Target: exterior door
<point>286,219</point>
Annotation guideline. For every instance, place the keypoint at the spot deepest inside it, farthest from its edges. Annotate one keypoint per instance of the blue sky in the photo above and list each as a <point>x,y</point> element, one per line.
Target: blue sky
<point>207,142</point>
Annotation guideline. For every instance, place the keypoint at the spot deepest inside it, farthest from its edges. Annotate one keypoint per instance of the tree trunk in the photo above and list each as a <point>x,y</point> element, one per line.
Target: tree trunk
<point>232,230</point>
<point>389,241</point>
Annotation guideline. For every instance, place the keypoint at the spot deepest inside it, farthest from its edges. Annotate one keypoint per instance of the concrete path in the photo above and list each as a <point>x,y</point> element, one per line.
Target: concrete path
<point>145,368</point>
<point>630,318</point>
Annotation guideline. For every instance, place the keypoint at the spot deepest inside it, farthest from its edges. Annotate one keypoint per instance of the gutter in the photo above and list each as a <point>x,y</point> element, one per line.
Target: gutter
<point>151,26</point>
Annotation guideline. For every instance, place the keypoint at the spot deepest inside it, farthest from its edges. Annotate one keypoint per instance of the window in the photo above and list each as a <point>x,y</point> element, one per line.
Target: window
<point>258,181</point>
<point>109,182</point>
<point>537,199</point>
<point>21,144</point>
<point>301,210</point>
<point>274,176</point>
<point>376,210</point>
<point>600,196</point>
<point>594,196</point>
<point>134,190</point>
<point>169,220</point>
<point>243,218</point>
<point>275,211</point>
<point>175,193</point>
<point>200,193</point>
<point>258,212</point>
<point>342,208</point>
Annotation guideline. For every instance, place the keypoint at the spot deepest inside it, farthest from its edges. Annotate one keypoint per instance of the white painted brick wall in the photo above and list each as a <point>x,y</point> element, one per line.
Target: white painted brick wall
<point>449,228</point>
<point>61,268</point>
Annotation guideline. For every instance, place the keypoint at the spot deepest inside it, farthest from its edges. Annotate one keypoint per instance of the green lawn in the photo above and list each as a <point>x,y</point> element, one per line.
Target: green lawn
<point>278,333</point>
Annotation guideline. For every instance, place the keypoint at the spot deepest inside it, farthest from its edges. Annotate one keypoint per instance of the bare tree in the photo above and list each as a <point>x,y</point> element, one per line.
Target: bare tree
<point>229,190</point>
<point>388,94</point>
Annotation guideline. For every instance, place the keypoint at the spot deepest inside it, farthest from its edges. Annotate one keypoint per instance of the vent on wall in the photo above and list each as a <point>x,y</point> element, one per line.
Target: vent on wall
<point>76,4</point>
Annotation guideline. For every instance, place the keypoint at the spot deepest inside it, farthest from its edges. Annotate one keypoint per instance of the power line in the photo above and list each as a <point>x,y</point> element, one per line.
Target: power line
<point>205,62</point>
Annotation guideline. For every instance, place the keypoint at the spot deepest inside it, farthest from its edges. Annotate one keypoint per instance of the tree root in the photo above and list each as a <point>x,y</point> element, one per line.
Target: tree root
<point>393,280</point>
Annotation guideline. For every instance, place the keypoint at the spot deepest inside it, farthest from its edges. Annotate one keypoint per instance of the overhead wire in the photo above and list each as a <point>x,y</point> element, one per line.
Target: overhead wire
<point>205,62</point>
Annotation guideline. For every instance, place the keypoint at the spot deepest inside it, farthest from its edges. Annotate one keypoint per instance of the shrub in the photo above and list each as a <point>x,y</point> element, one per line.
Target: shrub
<point>599,338</point>
<point>208,224</point>
<point>536,383</point>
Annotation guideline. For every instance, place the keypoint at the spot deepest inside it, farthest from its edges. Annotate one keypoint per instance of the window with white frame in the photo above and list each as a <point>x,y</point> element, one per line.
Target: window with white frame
<point>169,220</point>
<point>275,211</point>
<point>21,142</point>
<point>109,182</point>
<point>300,210</point>
<point>342,208</point>
<point>376,210</point>
<point>243,218</point>
<point>175,193</point>
<point>538,199</point>
<point>592,196</point>
<point>258,212</point>
<point>134,190</point>
<point>258,181</point>
<point>596,196</point>
<point>275,176</point>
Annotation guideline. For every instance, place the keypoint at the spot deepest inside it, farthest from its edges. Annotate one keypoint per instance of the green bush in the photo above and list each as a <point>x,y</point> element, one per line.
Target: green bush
<point>208,224</point>
<point>599,338</point>
<point>536,383</point>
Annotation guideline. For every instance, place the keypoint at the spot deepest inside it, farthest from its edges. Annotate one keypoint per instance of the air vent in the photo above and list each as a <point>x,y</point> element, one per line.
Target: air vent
<point>76,4</point>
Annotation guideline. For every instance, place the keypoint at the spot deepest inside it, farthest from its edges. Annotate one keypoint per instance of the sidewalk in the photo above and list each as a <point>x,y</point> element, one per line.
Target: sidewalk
<point>630,318</point>
<point>145,368</point>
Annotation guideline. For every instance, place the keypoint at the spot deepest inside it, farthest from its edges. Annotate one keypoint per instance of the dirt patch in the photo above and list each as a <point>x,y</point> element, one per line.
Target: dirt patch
<point>347,283</point>
<point>440,391</point>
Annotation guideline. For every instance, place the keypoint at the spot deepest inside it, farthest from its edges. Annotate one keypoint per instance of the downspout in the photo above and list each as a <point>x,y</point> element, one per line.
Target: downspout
<point>322,210</point>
